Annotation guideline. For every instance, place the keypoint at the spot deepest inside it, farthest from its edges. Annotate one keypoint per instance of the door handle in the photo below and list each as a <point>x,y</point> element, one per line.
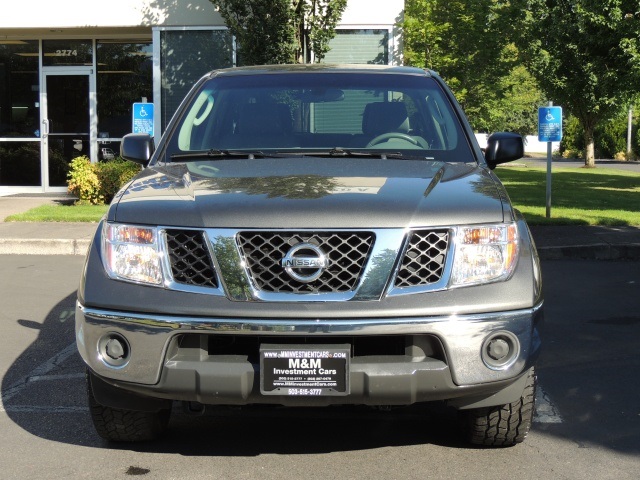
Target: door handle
<point>45,128</point>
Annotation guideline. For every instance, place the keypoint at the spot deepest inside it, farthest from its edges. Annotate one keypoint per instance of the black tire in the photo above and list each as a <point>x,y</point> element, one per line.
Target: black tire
<point>502,425</point>
<point>119,425</point>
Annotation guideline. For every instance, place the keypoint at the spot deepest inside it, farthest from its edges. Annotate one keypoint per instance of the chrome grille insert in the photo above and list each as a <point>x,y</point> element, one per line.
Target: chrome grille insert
<point>190,259</point>
<point>424,259</point>
<point>347,253</point>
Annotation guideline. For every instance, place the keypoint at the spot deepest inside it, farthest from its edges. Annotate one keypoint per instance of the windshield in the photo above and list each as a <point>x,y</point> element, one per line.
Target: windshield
<point>327,113</point>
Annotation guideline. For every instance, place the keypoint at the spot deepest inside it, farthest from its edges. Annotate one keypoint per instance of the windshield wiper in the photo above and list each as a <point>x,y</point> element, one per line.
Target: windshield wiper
<point>344,152</point>
<point>215,154</point>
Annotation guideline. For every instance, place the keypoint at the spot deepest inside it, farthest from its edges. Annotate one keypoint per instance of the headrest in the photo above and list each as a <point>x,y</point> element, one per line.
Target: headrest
<point>383,117</point>
<point>264,118</point>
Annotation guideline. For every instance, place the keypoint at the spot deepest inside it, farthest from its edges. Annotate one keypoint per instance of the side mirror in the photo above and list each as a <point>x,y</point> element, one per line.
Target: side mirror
<point>503,147</point>
<point>137,147</point>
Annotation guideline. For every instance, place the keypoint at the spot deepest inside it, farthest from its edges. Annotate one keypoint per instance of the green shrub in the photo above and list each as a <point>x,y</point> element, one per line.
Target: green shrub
<point>611,137</point>
<point>83,182</point>
<point>97,183</point>
<point>571,154</point>
<point>635,138</point>
<point>572,145</point>
<point>113,175</point>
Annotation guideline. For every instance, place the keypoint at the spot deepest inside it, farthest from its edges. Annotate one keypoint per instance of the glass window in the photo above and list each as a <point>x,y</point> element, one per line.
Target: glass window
<point>19,89</point>
<point>125,76</point>
<point>20,164</point>
<point>185,57</point>
<point>67,52</point>
<point>359,46</point>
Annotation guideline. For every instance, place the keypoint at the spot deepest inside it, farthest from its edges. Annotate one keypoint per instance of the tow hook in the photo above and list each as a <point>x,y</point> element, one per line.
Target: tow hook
<point>193,408</point>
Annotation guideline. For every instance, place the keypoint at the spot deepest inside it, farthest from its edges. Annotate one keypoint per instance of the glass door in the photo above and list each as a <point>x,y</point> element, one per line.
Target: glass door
<point>66,123</point>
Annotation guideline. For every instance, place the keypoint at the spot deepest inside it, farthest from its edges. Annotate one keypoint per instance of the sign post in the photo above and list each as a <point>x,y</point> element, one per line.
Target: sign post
<point>549,130</point>
<point>142,118</point>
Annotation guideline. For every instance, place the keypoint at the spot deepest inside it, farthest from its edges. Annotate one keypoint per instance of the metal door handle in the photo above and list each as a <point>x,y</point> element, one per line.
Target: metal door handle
<point>45,128</point>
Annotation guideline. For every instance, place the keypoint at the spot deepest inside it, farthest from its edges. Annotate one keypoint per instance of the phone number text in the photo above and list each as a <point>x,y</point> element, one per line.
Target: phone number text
<point>305,391</point>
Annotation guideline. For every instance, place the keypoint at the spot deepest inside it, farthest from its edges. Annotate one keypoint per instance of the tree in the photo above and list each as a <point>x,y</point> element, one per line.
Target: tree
<point>316,22</point>
<point>264,29</point>
<point>516,107</point>
<point>461,40</point>
<point>469,44</point>
<point>585,55</point>
<point>422,36</point>
<point>281,31</point>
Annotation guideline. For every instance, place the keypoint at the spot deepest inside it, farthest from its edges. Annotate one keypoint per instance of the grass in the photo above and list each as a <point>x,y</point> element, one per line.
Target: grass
<point>61,213</point>
<point>579,196</point>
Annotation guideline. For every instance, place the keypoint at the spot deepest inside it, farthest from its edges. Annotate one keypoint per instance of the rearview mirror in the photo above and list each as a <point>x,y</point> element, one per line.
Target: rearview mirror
<point>322,95</point>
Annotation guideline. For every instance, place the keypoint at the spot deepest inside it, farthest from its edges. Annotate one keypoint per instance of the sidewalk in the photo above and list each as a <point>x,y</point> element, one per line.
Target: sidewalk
<point>553,242</point>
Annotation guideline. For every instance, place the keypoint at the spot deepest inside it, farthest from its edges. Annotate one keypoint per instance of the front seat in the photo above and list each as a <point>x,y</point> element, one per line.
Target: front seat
<point>384,117</point>
<point>262,125</point>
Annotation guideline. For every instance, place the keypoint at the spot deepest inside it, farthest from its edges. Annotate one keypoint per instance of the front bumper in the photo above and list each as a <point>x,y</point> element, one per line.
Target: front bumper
<point>156,368</point>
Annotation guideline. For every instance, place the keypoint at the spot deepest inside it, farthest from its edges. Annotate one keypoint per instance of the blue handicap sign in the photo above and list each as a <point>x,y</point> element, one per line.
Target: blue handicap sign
<point>142,118</point>
<point>550,124</point>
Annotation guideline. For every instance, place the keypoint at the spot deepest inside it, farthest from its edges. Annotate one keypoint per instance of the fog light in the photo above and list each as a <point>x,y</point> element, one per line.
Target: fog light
<point>500,350</point>
<point>114,350</point>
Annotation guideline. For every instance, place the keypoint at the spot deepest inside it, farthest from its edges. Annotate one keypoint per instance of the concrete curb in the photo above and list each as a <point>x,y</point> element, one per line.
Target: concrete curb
<point>35,246</point>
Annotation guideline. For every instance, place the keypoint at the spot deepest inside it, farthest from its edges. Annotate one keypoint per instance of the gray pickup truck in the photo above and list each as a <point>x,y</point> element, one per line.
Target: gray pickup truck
<point>310,236</point>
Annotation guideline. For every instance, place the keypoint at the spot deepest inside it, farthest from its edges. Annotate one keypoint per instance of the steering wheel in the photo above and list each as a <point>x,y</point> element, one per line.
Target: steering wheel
<point>401,136</point>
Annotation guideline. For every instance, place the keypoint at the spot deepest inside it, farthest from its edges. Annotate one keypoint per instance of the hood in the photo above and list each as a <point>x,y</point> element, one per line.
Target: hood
<point>310,192</point>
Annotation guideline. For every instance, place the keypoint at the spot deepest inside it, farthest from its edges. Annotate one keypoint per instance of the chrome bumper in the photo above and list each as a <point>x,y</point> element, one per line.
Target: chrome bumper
<point>149,335</point>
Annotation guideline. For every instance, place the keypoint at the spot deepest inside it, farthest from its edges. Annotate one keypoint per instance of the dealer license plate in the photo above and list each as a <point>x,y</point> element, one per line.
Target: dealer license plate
<point>303,370</point>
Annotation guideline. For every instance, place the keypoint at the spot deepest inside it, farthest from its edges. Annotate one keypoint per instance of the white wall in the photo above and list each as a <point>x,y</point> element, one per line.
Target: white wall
<point>55,14</point>
<point>372,12</point>
<point>52,14</point>
<point>531,145</point>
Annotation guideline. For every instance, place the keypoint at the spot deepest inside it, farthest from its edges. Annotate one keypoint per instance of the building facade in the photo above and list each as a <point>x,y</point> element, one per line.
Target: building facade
<point>70,72</point>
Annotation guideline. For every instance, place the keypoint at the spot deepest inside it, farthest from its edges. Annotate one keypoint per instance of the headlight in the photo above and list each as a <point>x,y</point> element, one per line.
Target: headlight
<point>131,253</point>
<point>484,254</point>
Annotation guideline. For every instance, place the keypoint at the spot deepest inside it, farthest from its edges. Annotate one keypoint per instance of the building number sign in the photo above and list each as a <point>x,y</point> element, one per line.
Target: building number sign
<point>66,53</point>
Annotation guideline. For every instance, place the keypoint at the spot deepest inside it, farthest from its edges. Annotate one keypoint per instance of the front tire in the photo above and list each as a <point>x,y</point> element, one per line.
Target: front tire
<point>502,425</point>
<point>120,425</point>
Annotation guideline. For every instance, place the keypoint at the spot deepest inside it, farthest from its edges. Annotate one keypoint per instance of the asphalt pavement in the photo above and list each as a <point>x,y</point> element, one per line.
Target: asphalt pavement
<point>50,238</point>
<point>587,422</point>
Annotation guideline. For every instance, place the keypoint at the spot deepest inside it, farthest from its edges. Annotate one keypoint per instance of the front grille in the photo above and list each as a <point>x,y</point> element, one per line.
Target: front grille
<point>190,260</point>
<point>347,253</point>
<point>424,260</point>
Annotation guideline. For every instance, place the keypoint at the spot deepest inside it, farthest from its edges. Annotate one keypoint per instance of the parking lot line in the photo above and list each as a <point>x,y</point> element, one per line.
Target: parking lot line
<point>40,371</point>
<point>42,409</point>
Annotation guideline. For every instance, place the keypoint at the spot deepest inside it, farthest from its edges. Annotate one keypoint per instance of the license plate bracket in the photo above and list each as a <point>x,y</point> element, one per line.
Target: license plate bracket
<point>305,370</point>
